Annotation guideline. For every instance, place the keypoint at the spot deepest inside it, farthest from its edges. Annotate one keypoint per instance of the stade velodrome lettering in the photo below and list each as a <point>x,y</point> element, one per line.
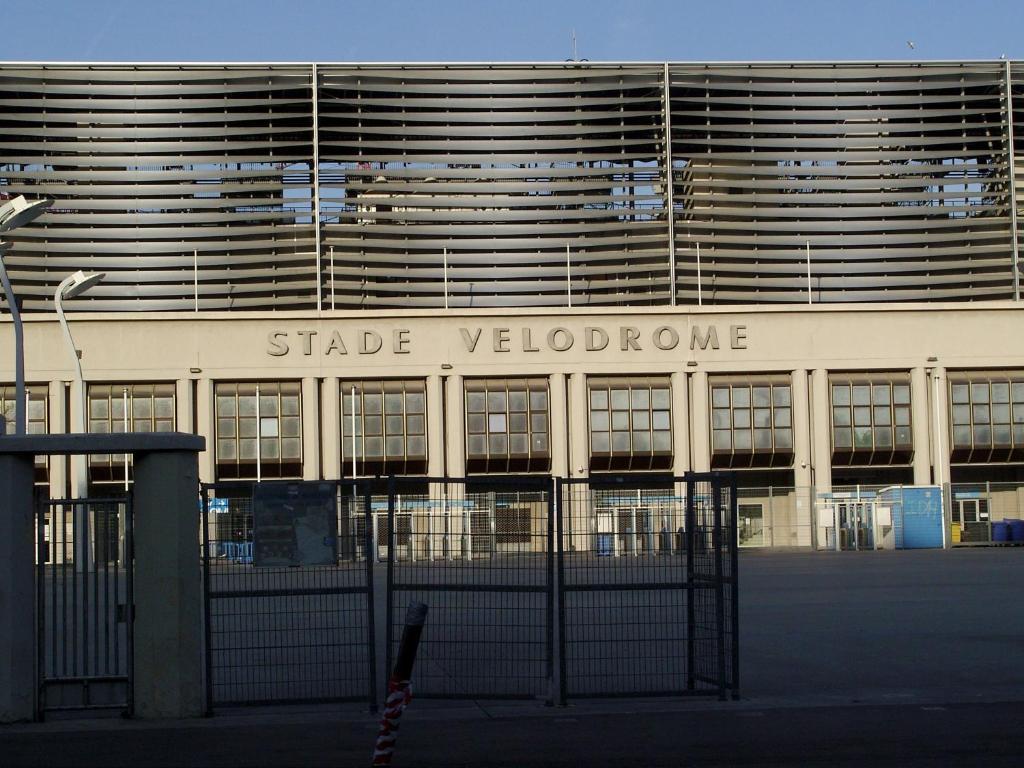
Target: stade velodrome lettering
<point>625,338</point>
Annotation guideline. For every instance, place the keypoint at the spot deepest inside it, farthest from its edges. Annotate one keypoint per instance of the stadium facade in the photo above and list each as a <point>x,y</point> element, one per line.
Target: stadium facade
<point>806,272</point>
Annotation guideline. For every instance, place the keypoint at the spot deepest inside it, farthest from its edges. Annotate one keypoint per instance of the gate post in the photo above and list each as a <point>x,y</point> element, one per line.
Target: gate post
<point>168,668</point>
<point>17,587</point>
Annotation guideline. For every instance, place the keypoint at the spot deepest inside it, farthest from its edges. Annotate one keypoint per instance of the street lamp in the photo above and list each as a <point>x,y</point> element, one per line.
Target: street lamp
<point>70,287</point>
<point>14,213</point>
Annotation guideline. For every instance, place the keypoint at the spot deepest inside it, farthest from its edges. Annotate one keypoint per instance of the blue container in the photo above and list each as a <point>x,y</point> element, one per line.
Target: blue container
<point>1016,529</point>
<point>605,544</point>
<point>1000,532</point>
<point>916,515</point>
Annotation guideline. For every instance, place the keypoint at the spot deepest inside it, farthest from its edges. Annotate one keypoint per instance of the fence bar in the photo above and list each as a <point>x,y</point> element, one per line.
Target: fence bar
<point>690,526</point>
<point>734,629</point>
<point>369,548</point>
<point>560,488</point>
<point>207,588</point>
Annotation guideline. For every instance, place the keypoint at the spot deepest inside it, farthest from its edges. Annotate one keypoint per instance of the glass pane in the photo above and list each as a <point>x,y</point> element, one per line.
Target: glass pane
<point>1017,392</point>
<point>374,425</point>
<point>662,442</point>
<point>417,447</point>
<point>641,442</point>
<point>880,394</point>
<point>268,428</point>
<point>226,449</point>
<point>641,398</point>
<point>904,437</point>
<point>538,400</point>
<point>741,397</point>
<point>862,437</point>
<point>496,401</point>
<point>117,409</point>
<point>498,444</point>
<point>979,392</point>
<point>475,402</point>
<point>374,447</point>
<point>599,442</point>
<point>980,414</point>
<point>598,420</point>
<point>1000,414</point>
<point>641,420</point>
<point>901,394</point>
<point>782,416</point>
<point>598,398</point>
<point>476,446</point>
<point>539,421</point>
<point>841,437</point>
<point>247,450</point>
<point>394,447</point>
<point>742,439</point>
<point>517,401</point>
<point>620,420</point>
<point>291,426</point>
<point>883,437</point>
<point>291,449</point>
<point>762,397</point>
<point>247,427</point>
<point>620,442</point>
<point>741,418</point>
<point>901,415</point>
<point>268,405</point>
<point>225,427</point>
<point>142,408</point>
<point>98,409</point>
<point>1018,414</point>
<point>982,435</point>
<point>961,393</point>
<point>496,423</point>
<point>269,449</point>
<point>783,440</point>
<point>721,440</point>
<point>540,444</point>
<point>762,418</point>
<point>414,402</point>
<point>620,399</point>
<point>780,394</point>
<point>36,410</point>
<point>394,425</point>
<point>840,394</point>
<point>518,445</point>
<point>961,414</point>
<point>373,403</point>
<point>763,439</point>
<point>861,394</point>
<point>962,437</point>
<point>164,407</point>
<point>661,420</point>
<point>393,403</point>
<point>415,425</point>
<point>1001,435</point>
<point>1001,392</point>
<point>476,423</point>
<point>661,398</point>
<point>861,416</point>
<point>517,423</point>
<point>882,416</point>
<point>720,397</point>
<point>247,405</point>
<point>720,418</point>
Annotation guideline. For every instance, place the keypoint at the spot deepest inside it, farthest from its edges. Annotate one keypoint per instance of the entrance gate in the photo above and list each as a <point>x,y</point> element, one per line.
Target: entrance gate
<point>84,579</point>
<point>288,593</point>
<point>648,588</point>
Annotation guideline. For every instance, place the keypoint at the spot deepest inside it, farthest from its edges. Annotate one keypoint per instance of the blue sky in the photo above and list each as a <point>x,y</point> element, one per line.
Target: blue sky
<point>514,30</point>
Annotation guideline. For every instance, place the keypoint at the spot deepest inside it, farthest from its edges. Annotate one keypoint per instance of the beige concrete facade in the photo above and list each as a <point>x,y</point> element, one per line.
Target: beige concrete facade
<point>321,353</point>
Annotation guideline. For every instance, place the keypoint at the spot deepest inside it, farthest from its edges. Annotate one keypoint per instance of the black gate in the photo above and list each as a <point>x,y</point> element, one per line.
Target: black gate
<point>479,553</point>
<point>84,572</point>
<point>288,593</point>
<point>647,586</point>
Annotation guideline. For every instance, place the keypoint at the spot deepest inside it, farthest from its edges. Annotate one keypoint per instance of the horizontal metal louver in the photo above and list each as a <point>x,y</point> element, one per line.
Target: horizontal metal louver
<point>174,181</point>
<point>199,185</point>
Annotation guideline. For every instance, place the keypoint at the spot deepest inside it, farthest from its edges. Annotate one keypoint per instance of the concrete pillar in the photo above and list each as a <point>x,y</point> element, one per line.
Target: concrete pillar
<point>938,421</point>
<point>435,427</point>
<point>17,589</point>
<point>455,419</point>
<point>79,464</point>
<point>330,440</point>
<point>821,432</point>
<point>56,415</point>
<point>578,410</point>
<point>700,438</point>
<point>184,407</point>
<point>168,597</point>
<point>680,424</point>
<point>310,429</point>
<point>801,410</point>
<point>206,421</point>
<point>919,420</point>
<point>558,437</point>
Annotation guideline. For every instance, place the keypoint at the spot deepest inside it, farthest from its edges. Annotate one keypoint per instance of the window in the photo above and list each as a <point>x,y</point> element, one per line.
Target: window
<point>35,418</point>
<point>751,423</point>
<point>987,417</point>
<point>390,419</point>
<point>259,424</point>
<point>630,423</point>
<point>120,408</point>
<point>871,420</point>
<point>507,425</point>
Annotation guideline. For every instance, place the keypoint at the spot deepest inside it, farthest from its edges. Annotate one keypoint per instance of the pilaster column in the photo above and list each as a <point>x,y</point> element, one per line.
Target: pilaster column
<point>578,411</point>
<point>79,464</point>
<point>435,426</point>
<point>206,420</point>
<point>801,410</point>
<point>330,428</point>
<point>919,420</point>
<point>455,418</point>
<point>821,432</point>
<point>56,416</point>
<point>183,405</point>
<point>310,429</point>
<point>680,424</point>
<point>939,425</point>
<point>700,439</point>
<point>558,437</point>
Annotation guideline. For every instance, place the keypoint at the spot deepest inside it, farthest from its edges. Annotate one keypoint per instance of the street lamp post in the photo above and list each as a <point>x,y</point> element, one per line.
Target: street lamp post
<point>13,214</point>
<point>72,286</point>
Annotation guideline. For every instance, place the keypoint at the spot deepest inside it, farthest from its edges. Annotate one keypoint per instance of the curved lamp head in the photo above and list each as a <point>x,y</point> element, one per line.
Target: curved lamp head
<point>79,283</point>
<point>19,211</point>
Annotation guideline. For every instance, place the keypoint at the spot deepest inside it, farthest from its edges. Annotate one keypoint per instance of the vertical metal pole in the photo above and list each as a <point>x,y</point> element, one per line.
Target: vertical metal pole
<point>332,276</point>
<point>129,568</point>
<point>670,188</point>
<point>560,485</point>
<point>124,395</point>
<point>19,353</point>
<point>352,401</point>
<point>207,629</point>
<point>1013,187</point>
<point>809,298</point>
<point>735,570</point>
<point>568,276</point>
<point>717,540</point>
<point>549,572</point>
<point>369,548</point>
<point>195,278</point>
<point>41,512</point>
<point>690,523</point>
<point>445,278</point>
<point>316,188</point>
<point>389,632</point>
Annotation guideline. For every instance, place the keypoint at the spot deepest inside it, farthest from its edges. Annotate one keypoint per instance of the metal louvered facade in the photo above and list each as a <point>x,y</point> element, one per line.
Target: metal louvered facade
<point>274,187</point>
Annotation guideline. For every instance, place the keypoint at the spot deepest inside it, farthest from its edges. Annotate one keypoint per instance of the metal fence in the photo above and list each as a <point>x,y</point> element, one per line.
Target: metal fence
<point>647,586</point>
<point>480,555</point>
<point>277,633</point>
<point>84,576</point>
